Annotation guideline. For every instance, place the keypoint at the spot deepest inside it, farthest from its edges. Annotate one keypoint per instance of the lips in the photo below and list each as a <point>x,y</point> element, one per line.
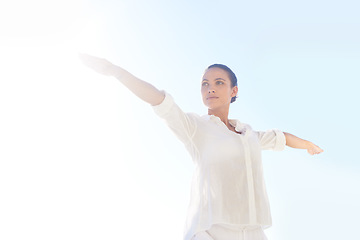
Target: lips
<point>211,98</point>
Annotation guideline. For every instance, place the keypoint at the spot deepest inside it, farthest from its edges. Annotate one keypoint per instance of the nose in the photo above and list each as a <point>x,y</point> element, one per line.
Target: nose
<point>211,91</point>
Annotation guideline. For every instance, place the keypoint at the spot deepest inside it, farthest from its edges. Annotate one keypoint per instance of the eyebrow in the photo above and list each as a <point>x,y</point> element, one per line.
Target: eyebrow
<point>215,79</point>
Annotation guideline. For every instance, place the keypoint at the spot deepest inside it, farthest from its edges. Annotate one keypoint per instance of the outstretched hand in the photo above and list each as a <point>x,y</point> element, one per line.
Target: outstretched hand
<point>99,65</point>
<point>314,149</point>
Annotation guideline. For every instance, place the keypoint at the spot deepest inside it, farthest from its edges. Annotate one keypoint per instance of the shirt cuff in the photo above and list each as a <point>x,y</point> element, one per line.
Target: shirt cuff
<point>280,140</point>
<point>164,107</point>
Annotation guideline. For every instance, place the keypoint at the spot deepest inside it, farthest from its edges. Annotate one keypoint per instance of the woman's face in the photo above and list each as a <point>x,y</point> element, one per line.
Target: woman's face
<point>216,88</point>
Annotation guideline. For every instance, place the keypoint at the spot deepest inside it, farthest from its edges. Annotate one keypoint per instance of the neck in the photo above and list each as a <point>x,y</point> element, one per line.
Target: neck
<point>222,113</point>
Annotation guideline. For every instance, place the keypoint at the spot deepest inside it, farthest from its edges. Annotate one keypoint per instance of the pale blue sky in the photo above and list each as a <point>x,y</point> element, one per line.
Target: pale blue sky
<point>82,158</point>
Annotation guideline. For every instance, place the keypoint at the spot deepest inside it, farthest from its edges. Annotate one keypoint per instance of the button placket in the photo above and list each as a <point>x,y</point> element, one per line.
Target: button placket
<point>250,179</point>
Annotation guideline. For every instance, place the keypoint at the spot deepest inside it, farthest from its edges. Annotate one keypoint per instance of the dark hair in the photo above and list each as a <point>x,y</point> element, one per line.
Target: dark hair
<point>231,74</point>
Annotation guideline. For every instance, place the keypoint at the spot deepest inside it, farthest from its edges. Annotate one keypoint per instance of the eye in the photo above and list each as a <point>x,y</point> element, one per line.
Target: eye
<point>219,82</point>
<point>204,84</point>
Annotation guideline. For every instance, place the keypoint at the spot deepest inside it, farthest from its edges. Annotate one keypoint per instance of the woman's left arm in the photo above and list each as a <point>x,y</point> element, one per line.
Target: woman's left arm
<point>295,142</point>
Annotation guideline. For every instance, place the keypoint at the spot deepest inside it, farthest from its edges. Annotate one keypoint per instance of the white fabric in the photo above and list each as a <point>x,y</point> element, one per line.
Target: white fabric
<point>218,232</point>
<point>228,185</point>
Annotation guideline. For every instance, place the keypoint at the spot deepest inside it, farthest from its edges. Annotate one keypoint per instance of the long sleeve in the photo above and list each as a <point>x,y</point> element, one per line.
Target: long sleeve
<point>182,124</point>
<point>272,139</point>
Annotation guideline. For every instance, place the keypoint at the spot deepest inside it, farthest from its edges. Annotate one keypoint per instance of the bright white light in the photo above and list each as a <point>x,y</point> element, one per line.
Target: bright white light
<point>60,131</point>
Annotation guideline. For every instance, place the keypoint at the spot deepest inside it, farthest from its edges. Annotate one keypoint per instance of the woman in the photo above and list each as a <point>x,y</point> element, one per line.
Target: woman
<point>228,196</point>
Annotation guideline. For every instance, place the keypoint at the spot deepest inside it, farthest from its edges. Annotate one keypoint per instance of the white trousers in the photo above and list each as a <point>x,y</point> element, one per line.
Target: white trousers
<point>219,232</point>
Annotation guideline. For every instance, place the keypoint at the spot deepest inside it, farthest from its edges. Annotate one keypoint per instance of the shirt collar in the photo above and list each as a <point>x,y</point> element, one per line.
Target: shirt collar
<point>239,126</point>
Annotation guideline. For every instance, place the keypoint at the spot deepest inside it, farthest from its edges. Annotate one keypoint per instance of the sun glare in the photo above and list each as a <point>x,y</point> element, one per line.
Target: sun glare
<point>52,127</point>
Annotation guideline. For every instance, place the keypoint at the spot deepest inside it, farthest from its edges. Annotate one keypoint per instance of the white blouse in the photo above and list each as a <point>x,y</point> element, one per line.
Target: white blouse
<point>228,185</point>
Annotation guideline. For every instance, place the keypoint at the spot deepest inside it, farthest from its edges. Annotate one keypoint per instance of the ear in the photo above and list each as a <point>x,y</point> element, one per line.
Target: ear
<point>234,91</point>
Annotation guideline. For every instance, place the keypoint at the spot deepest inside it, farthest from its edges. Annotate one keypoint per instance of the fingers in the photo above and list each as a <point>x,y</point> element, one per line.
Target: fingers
<point>318,150</point>
<point>314,151</point>
<point>88,59</point>
<point>85,58</point>
<point>99,65</point>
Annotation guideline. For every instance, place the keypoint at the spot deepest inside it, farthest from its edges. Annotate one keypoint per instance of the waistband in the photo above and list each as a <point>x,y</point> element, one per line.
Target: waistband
<point>239,227</point>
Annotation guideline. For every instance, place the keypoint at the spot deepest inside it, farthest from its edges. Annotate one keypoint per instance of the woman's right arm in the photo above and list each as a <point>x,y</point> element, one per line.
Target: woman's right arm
<point>140,88</point>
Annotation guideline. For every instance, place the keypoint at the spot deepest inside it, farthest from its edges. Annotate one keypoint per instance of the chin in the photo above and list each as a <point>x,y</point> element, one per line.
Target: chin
<point>212,107</point>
